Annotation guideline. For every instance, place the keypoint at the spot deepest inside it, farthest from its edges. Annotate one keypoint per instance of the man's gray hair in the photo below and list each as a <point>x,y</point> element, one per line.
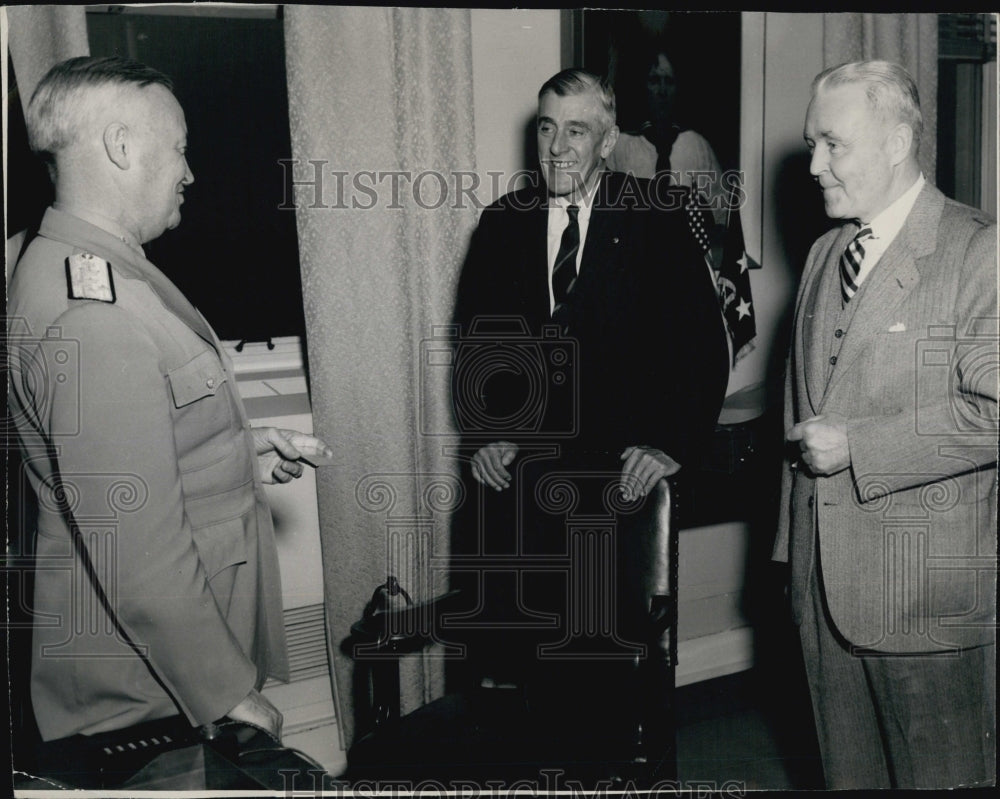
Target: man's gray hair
<point>891,91</point>
<point>577,81</point>
<point>59,105</point>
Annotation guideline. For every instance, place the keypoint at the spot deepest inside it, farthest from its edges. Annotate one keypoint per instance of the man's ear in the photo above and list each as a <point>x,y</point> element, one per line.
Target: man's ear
<point>899,143</point>
<point>610,140</point>
<point>116,144</point>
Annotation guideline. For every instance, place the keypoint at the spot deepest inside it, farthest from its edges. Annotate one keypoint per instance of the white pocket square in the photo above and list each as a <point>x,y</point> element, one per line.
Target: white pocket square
<point>899,327</point>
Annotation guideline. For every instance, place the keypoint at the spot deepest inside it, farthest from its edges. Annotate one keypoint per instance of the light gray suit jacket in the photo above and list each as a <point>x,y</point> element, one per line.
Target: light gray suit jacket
<point>157,586</point>
<point>907,534</point>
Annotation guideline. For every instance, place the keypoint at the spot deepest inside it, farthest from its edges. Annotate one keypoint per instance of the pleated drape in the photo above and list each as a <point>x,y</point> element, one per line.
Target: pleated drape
<point>374,91</point>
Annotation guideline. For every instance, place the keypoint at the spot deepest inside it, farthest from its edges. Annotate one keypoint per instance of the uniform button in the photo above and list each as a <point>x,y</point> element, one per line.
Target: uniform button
<point>810,502</point>
<point>833,360</point>
<point>210,382</point>
<point>838,333</point>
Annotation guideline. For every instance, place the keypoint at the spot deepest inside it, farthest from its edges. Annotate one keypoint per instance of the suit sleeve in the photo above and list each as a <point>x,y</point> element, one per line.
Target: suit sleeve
<point>951,426</point>
<point>159,592</point>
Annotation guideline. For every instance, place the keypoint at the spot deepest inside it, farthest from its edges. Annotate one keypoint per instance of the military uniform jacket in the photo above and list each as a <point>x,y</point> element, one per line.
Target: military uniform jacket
<point>157,584</point>
<point>906,536</point>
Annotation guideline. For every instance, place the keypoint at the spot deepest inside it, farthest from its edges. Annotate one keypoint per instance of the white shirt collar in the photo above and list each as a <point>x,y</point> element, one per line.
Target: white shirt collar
<point>887,224</point>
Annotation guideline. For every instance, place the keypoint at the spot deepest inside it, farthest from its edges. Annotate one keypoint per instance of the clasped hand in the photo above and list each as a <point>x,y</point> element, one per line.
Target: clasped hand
<point>643,467</point>
<point>823,442</point>
<point>280,452</point>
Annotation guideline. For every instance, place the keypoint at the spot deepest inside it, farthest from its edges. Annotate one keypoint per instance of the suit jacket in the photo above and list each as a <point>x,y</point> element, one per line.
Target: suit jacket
<point>156,574</point>
<point>907,534</point>
<point>648,362</point>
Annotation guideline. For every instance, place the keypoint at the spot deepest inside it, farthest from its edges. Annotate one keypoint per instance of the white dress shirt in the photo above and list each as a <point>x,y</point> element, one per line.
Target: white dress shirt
<point>885,227</point>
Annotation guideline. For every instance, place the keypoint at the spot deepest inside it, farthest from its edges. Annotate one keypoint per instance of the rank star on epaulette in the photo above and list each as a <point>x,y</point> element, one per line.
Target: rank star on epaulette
<point>89,278</point>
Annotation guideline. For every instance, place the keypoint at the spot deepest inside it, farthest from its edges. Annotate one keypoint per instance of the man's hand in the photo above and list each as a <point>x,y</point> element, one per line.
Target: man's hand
<point>280,453</point>
<point>489,465</point>
<point>644,466</point>
<point>823,441</point>
<point>259,712</point>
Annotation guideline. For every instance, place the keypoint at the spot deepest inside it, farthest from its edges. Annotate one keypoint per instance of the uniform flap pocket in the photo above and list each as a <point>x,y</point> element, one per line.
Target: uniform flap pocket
<point>200,377</point>
<point>221,545</point>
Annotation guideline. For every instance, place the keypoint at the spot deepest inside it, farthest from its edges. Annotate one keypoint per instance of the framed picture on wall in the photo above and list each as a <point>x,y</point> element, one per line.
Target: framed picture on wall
<point>677,83</point>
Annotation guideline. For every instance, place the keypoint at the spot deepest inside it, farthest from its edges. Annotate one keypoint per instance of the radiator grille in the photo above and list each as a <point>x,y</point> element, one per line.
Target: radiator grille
<point>305,629</point>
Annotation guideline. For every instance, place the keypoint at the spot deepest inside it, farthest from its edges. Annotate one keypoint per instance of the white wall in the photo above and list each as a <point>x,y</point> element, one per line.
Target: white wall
<point>781,54</point>
<point>513,53</point>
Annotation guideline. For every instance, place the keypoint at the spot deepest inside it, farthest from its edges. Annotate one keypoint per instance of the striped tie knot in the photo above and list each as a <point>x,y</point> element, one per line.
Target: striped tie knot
<point>850,264</point>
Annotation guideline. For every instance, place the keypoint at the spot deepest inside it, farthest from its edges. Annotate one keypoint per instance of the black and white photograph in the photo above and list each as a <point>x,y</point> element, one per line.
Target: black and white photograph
<point>499,401</point>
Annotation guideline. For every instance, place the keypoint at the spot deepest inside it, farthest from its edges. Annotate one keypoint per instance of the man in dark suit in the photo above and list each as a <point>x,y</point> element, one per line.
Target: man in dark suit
<point>591,275</point>
<point>157,590</point>
<point>889,505</point>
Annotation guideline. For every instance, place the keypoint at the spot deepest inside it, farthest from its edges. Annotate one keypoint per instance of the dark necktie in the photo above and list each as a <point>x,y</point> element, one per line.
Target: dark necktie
<point>564,269</point>
<point>850,265</point>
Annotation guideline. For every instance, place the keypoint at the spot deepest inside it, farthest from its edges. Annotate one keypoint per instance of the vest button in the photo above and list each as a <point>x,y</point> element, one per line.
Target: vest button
<point>838,332</point>
<point>833,360</point>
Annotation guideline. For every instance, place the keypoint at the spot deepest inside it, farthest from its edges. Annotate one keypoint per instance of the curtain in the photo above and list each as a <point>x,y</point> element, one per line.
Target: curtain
<point>908,39</point>
<point>380,90</point>
<point>42,36</point>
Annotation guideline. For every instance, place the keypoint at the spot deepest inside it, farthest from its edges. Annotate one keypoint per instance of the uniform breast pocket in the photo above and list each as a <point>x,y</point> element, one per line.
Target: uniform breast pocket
<point>202,411</point>
<point>221,545</point>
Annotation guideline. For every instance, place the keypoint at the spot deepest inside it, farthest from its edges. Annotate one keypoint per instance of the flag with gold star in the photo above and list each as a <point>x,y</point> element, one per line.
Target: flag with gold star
<point>734,289</point>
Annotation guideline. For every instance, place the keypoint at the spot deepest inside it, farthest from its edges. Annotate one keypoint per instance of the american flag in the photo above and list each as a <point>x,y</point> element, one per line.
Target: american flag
<point>733,280</point>
<point>735,296</point>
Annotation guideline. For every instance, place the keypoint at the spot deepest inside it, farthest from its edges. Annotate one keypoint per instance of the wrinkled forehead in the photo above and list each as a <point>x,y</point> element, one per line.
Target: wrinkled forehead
<point>840,106</point>
<point>584,105</point>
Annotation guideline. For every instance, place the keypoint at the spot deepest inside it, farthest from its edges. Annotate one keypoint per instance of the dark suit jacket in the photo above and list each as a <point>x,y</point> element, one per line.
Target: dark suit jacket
<point>649,357</point>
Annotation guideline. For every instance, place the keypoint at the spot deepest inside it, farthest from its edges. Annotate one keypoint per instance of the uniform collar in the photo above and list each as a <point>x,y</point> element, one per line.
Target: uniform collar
<point>106,224</point>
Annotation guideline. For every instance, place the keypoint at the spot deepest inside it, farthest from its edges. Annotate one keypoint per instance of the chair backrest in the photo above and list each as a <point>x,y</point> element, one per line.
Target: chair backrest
<point>621,555</point>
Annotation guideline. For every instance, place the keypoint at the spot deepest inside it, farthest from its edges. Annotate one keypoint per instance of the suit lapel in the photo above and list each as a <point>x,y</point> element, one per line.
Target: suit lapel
<point>892,280</point>
<point>536,260</point>
<point>603,231</point>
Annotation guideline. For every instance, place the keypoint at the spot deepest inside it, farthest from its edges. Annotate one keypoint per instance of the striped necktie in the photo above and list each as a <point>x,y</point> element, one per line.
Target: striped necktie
<point>564,269</point>
<point>850,264</point>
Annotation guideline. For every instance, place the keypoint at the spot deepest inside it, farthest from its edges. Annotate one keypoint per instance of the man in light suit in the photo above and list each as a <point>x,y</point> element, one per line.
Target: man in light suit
<point>630,387</point>
<point>889,500</point>
<point>157,589</point>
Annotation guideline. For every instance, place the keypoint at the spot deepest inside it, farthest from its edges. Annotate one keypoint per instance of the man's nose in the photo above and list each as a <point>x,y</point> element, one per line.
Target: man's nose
<point>818,161</point>
<point>558,144</point>
<point>188,174</point>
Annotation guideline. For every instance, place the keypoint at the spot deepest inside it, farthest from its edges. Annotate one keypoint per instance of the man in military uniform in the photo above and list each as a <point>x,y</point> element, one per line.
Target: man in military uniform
<point>134,438</point>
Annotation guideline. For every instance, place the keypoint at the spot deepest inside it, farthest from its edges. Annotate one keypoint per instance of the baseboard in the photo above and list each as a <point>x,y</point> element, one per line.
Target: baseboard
<point>714,655</point>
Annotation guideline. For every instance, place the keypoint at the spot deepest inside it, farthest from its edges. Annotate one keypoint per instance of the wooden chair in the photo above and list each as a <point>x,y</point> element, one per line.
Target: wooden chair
<point>600,709</point>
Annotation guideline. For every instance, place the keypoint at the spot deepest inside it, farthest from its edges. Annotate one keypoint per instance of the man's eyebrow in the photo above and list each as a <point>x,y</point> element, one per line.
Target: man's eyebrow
<point>576,123</point>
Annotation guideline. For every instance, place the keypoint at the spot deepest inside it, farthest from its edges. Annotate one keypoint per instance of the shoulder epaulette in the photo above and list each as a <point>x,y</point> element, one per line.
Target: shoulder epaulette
<point>89,278</point>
